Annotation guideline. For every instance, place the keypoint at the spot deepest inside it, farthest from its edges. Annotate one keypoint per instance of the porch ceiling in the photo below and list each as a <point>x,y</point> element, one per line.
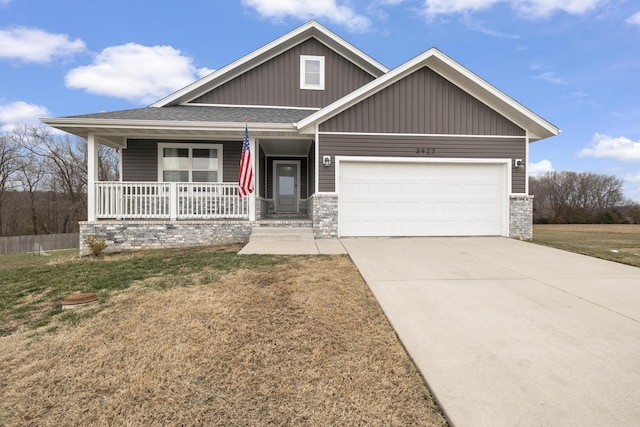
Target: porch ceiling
<point>285,147</point>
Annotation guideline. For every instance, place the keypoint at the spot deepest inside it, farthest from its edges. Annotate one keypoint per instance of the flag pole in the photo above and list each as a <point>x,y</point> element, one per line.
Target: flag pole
<point>245,175</point>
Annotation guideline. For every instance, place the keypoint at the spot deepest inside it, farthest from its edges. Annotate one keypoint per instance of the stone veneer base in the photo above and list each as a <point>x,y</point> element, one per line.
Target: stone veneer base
<point>133,235</point>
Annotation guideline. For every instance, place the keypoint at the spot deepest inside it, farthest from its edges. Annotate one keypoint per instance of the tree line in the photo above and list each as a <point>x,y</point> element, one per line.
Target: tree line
<point>567,197</point>
<point>43,180</point>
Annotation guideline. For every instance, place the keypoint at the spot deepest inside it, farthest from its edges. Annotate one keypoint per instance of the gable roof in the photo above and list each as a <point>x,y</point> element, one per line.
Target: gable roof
<point>271,50</point>
<point>538,127</point>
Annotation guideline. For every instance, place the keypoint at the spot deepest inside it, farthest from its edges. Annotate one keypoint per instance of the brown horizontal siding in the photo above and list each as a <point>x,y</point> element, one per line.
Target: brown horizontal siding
<point>277,81</point>
<point>140,159</point>
<point>423,102</point>
<point>413,146</point>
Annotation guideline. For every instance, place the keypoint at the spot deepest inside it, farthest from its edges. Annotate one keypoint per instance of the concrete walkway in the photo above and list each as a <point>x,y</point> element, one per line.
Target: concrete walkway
<point>509,333</point>
<point>294,247</point>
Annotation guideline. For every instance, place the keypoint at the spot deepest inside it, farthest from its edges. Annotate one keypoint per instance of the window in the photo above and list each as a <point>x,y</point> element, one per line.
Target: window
<point>189,162</point>
<point>312,72</point>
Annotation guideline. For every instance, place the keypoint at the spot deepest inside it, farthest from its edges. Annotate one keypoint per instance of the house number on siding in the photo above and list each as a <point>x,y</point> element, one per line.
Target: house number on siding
<point>428,151</point>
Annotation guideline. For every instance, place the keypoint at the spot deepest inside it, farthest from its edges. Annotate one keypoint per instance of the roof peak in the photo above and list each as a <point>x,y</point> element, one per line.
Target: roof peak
<point>310,29</point>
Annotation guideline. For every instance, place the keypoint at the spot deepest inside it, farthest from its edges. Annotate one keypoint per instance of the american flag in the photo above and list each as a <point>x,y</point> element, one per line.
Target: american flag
<point>245,177</point>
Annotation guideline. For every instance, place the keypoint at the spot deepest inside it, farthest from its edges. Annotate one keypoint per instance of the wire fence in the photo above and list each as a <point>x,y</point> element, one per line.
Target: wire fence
<point>46,242</point>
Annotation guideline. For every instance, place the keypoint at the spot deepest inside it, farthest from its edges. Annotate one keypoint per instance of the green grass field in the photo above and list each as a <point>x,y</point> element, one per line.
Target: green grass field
<point>613,242</point>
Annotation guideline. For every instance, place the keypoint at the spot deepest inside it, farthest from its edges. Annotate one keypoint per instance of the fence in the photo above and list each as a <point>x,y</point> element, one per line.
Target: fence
<point>48,242</point>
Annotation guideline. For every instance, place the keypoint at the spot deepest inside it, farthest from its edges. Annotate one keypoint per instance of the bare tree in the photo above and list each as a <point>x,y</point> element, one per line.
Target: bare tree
<point>66,159</point>
<point>31,173</point>
<point>9,155</point>
<point>568,196</point>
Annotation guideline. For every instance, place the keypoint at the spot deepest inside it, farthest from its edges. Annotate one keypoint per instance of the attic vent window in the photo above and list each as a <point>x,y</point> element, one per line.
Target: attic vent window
<point>311,72</point>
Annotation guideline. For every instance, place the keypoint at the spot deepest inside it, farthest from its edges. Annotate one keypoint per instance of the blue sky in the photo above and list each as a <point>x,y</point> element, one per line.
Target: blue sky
<point>574,62</point>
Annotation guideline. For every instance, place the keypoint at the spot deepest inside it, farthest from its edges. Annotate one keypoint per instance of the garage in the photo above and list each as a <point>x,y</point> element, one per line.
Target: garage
<point>435,197</point>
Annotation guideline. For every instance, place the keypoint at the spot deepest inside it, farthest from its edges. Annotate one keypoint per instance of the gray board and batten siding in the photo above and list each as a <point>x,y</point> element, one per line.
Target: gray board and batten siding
<point>424,103</point>
<point>276,82</point>
<point>140,159</point>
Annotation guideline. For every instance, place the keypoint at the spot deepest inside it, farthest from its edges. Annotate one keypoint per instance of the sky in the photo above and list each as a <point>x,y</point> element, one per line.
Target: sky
<point>576,63</point>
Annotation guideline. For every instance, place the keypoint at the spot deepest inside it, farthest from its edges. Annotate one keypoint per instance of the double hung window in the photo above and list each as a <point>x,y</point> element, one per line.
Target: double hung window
<point>189,162</point>
<point>312,72</point>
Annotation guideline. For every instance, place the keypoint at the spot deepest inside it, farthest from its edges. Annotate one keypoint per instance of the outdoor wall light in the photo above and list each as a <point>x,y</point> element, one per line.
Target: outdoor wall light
<point>519,163</point>
<point>326,160</point>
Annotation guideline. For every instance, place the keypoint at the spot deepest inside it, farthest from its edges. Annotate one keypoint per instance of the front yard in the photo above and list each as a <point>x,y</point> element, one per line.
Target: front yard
<point>203,337</point>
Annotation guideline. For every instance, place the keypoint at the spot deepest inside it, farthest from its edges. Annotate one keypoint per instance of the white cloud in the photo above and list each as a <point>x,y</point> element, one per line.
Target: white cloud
<point>540,168</point>
<point>526,8</point>
<point>34,45</point>
<point>481,28</point>
<point>433,8</point>
<point>341,14</point>
<point>20,113</point>
<point>140,74</point>
<point>605,146</point>
<point>550,77</point>
<point>634,19</point>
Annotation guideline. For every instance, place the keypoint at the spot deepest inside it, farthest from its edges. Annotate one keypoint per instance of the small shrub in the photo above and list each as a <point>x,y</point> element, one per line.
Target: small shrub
<point>96,246</point>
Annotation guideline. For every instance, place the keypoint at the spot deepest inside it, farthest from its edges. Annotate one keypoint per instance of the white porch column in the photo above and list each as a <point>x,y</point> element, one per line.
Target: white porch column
<point>252,196</point>
<point>92,172</point>
<point>526,162</point>
<point>120,164</point>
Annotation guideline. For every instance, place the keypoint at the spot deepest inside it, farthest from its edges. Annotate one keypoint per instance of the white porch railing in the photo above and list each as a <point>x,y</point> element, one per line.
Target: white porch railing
<point>169,200</point>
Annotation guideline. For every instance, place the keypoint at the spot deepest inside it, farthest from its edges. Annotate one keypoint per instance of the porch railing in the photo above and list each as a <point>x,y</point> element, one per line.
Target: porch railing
<point>169,200</point>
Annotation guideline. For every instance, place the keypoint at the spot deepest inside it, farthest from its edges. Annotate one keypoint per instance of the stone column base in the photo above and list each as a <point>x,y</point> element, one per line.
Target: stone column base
<point>521,216</point>
<point>324,211</point>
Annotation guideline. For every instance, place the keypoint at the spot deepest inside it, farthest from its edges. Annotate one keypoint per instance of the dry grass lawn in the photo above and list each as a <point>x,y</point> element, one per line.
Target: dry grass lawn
<point>299,342</point>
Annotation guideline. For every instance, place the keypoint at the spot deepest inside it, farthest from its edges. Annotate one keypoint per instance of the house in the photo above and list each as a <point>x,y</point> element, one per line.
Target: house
<point>340,143</point>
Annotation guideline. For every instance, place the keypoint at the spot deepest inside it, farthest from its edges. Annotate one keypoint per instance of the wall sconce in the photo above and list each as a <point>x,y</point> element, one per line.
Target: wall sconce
<point>326,161</point>
<point>518,163</point>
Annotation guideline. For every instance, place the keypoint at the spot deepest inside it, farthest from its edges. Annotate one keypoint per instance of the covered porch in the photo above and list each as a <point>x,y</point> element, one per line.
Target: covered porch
<point>178,173</point>
<point>283,180</point>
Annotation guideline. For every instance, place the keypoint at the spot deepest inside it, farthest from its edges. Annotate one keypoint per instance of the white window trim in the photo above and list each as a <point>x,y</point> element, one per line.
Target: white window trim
<point>190,146</point>
<point>303,83</point>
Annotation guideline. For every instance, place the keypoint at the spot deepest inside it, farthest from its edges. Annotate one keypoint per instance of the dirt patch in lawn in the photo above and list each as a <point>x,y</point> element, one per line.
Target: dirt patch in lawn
<point>301,342</point>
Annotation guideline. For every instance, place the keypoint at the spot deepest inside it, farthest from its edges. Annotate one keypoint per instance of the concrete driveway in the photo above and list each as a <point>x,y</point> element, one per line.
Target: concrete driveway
<point>509,333</point>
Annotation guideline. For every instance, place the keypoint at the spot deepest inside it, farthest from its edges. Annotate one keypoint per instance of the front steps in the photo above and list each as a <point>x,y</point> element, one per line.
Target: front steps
<point>281,233</point>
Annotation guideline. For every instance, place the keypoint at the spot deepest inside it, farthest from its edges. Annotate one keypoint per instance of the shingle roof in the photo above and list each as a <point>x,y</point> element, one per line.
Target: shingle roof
<point>220,114</point>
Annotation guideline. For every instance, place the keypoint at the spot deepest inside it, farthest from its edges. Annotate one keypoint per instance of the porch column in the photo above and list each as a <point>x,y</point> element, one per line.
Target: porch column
<point>92,172</point>
<point>252,196</point>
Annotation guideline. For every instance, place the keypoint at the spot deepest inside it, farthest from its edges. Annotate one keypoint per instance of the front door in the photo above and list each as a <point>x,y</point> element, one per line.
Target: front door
<point>286,185</point>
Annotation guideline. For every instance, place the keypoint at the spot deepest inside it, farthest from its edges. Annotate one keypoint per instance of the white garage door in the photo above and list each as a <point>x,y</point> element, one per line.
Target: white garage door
<point>422,199</point>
